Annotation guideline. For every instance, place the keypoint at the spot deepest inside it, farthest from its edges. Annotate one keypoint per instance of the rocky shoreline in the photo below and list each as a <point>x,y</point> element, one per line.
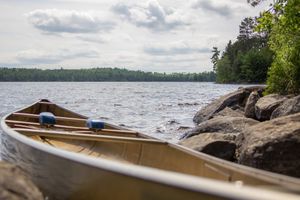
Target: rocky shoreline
<point>251,129</point>
<point>15,184</point>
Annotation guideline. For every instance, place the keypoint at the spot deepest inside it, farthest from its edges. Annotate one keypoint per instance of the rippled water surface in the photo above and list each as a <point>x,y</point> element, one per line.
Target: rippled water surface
<point>160,109</point>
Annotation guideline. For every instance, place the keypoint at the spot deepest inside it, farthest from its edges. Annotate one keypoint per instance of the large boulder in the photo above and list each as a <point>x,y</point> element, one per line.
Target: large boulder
<point>232,100</point>
<point>221,124</point>
<point>215,144</point>
<point>259,88</point>
<point>15,185</point>
<point>272,145</point>
<point>229,113</point>
<point>266,105</point>
<point>288,107</point>
<point>250,105</point>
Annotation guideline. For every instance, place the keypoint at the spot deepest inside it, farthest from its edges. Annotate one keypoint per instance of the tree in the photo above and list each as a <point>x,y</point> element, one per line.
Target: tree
<point>224,72</point>
<point>247,59</point>
<point>98,74</point>
<point>215,57</point>
<point>255,2</point>
<point>247,28</point>
<point>282,20</point>
<point>255,64</point>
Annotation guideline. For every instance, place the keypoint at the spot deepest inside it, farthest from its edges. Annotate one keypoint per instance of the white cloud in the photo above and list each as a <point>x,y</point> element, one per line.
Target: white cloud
<point>175,48</point>
<point>216,7</point>
<point>93,38</point>
<point>68,21</point>
<point>33,56</point>
<point>89,33</point>
<point>150,15</point>
<point>224,8</point>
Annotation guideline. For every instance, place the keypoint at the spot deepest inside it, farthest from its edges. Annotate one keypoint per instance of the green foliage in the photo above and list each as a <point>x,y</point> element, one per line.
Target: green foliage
<point>270,42</point>
<point>224,72</point>
<point>282,20</point>
<point>254,65</point>
<point>98,74</point>
<point>247,59</point>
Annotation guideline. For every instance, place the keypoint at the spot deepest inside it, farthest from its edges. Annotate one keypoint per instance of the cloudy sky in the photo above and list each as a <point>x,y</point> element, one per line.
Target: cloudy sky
<point>154,35</point>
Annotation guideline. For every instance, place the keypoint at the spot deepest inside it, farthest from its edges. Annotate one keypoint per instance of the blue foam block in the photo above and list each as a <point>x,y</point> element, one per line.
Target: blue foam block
<point>94,124</point>
<point>47,118</point>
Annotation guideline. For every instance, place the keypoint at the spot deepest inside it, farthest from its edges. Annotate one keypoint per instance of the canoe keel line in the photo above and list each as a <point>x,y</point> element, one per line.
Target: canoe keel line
<point>69,160</point>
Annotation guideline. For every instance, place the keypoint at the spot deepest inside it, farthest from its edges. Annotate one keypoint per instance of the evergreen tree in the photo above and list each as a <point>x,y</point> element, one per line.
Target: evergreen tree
<point>246,29</point>
<point>215,57</point>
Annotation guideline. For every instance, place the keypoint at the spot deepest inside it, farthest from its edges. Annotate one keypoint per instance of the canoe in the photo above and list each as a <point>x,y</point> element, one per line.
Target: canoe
<point>68,160</point>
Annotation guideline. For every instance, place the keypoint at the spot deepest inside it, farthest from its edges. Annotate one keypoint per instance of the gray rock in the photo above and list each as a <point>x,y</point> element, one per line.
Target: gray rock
<point>221,124</point>
<point>250,105</point>
<point>229,113</point>
<point>288,107</point>
<point>15,185</point>
<point>259,88</point>
<point>266,105</point>
<point>232,100</point>
<point>272,145</point>
<point>215,144</point>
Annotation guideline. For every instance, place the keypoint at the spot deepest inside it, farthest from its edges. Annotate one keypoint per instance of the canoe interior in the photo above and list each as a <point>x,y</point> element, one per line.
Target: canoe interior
<point>162,155</point>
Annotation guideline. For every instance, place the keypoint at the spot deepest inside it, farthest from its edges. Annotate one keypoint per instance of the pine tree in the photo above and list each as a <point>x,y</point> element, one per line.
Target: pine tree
<point>215,57</point>
<point>247,29</point>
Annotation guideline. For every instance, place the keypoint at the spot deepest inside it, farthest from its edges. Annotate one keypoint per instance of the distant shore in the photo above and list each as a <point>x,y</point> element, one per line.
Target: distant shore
<point>98,75</point>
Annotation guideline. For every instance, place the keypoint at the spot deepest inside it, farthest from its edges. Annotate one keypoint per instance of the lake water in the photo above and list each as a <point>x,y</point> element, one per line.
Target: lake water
<point>161,109</point>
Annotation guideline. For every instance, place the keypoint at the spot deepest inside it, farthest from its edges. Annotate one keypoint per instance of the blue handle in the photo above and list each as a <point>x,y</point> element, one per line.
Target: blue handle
<point>95,124</point>
<point>47,118</point>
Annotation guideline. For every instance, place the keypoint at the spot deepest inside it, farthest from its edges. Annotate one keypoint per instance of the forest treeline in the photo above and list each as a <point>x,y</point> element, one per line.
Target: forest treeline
<point>98,74</point>
<point>247,59</point>
<point>267,50</point>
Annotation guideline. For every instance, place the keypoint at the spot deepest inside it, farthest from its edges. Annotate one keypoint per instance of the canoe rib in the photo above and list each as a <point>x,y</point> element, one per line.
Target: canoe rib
<point>78,136</point>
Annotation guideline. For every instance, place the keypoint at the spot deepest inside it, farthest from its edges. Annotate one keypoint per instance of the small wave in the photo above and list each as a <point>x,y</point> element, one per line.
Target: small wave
<point>105,118</point>
<point>183,128</point>
<point>188,104</point>
<point>172,122</point>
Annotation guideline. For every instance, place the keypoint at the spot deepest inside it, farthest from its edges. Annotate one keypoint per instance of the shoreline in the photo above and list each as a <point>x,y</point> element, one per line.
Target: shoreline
<point>250,129</point>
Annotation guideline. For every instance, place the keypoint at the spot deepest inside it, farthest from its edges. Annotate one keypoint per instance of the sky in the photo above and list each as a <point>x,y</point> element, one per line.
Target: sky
<point>155,35</point>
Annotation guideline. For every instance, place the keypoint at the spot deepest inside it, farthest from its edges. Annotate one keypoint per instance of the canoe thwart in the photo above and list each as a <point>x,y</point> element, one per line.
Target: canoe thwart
<point>58,118</point>
<point>78,136</point>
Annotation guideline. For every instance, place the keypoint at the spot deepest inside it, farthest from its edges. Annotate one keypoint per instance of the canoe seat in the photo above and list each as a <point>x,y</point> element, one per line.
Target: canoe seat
<point>47,118</point>
<point>95,124</point>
